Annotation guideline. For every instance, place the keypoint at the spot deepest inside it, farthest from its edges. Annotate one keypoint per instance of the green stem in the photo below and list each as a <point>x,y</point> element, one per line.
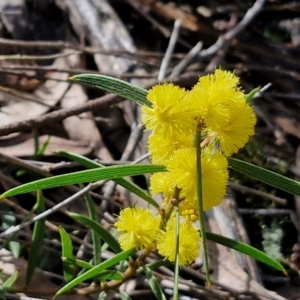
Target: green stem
<point>176,271</point>
<point>200,202</point>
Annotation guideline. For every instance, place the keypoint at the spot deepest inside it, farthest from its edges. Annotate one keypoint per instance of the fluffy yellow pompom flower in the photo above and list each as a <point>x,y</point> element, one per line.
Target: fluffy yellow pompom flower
<point>220,103</point>
<point>233,132</point>
<point>182,169</point>
<point>210,96</point>
<point>189,242</point>
<point>161,147</point>
<point>169,111</point>
<point>161,183</point>
<point>138,228</point>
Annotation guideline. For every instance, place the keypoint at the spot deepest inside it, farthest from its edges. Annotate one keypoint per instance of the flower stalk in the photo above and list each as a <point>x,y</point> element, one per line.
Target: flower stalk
<point>200,202</point>
<point>176,271</point>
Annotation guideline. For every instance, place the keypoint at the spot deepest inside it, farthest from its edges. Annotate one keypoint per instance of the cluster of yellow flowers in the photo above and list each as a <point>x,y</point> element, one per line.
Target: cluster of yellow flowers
<point>217,106</point>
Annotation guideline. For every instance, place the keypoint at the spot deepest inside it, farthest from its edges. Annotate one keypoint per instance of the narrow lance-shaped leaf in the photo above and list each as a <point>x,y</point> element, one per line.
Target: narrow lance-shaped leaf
<point>96,238</point>
<point>90,164</point>
<point>37,239</point>
<point>10,281</point>
<point>83,176</point>
<point>154,285</point>
<point>265,176</point>
<point>67,253</point>
<point>124,296</point>
<point>246,249</point>
<point>102,276</point>
<point>115,86</point>
<point>156,264</point>
<point>96,270</point>
<point>109,275</point>
<point>251,95</point>
<point>78,262</point>
<point>105,235</point>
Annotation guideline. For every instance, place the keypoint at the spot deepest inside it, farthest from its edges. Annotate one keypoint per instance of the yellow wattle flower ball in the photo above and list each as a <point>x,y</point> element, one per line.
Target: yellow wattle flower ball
<point>211,94</point>
<point>221,107</point>
<point>189,242</point>
<point>169,113</point>
<point>182,170</point>
<point>161,147</point>
<point>138,228</point>
<point>233,132</point>
<point>161,183</point>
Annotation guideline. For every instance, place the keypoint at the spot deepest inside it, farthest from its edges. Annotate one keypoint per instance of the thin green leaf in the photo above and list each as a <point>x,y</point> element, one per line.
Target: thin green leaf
<point>96,238</point>
<point>265,176</point>
<point>156,264</point>
<point>90,164</point>
<point>96,270</point>
<point>102,296</point>
<point>114,86</point>
<point>154,285</point>
<point>251,95</point>
<point>67,252</point>
<point>109,275</point>
<point>83,176</point>
<point>15,248</point>
<point>78,262</point>
<point>105,235</point>
<point>44,147</point>
<point>246,249</point>
<point>124,296</point>
<point>9,282</point>
<point>103,276</point>
<point>82,160</point>
<point>37,239</point>
<point>39,151</point>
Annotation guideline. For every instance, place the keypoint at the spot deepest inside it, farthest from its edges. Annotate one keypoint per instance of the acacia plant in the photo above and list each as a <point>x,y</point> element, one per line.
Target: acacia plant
<point>193,135</point>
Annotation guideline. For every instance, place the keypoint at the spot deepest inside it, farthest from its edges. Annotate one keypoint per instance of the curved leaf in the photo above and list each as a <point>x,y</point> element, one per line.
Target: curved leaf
<point>105,235</point>
<point>246,249</point>
<point>96,270</point>
<point>67,253</point>
<point>96,239</point>
<point>10,281</point>
<point>114,86</point>
<point>265,176</point>
<point>37,239</point>
<point>83,176</point>
<point>124,296</point>
<point>251,95</point>
<point>109,275</point>
<point>154,285</point>
<point>78,262</point>
<point>90,164</point>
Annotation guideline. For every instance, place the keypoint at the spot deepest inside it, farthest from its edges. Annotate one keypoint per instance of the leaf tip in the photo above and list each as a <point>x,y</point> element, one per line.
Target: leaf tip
<point>285,273</point>
<point>72,78</point>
